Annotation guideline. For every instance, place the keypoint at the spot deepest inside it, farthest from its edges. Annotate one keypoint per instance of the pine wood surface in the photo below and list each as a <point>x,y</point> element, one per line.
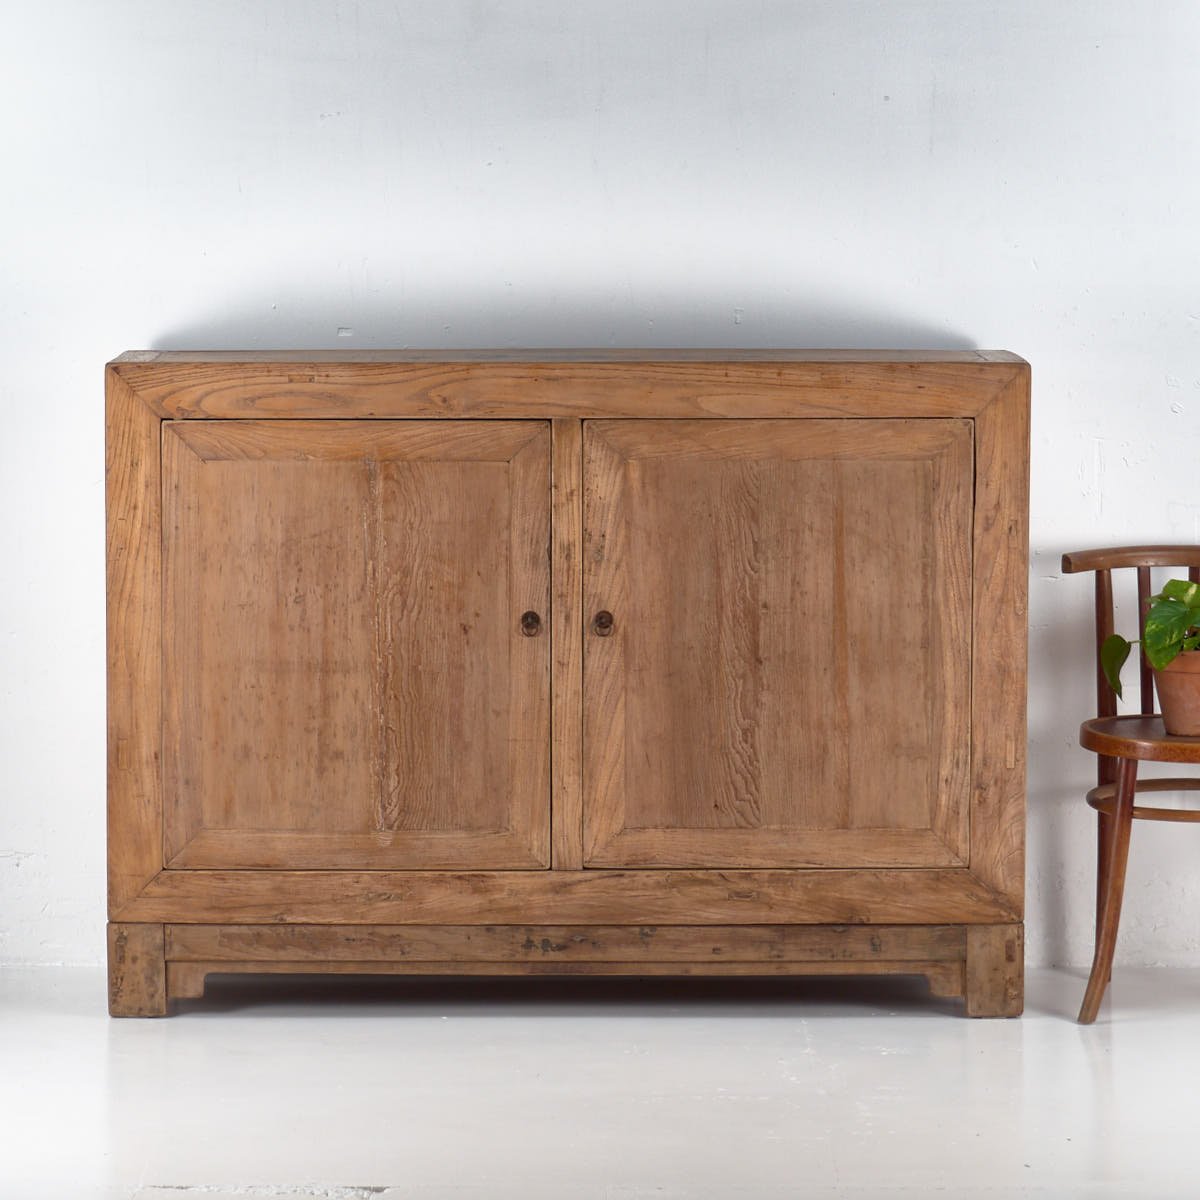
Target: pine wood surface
<point>775,586</point>
<point>134,642</point>
<point>995,970</point>
<point>261,448</point>
<point>137,981</point>
<point>772,384</point>
<point>567,943</point>
<point>346,683</point>
<point>699,897</point>
<point>566,635</point>
<point>1000,647</point>
<point>186,980</point>
<point>534,356</point>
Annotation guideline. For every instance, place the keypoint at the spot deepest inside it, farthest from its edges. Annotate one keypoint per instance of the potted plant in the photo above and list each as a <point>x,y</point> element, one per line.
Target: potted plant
<point>1171,643</point>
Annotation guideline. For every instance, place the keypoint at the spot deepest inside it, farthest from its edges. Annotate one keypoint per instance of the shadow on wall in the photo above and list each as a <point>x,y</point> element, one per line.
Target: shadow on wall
<point>551,320</point>
<point>1062,693</point>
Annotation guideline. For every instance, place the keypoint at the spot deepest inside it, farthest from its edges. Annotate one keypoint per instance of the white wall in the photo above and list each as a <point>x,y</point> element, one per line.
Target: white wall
<point>452,173</point>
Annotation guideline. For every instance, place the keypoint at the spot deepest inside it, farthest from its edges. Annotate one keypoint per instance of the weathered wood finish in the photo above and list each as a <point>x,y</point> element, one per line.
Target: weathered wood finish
<point>937,952</point>
<point>137,980</point>
<point>134,533</point>
<point>700,897</point>
<point>186,980</point>
<point>775,586</point>
<point>566,943</point>
<point>566,636</point>
<point>347,684</point>
<point>334,876</point>
<point>1000,646</point>
<point>541,385</point>
<point>995,970</point>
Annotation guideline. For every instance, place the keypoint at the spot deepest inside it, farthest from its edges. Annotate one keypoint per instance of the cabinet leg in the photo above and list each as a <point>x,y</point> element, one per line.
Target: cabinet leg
<point>995,973</point>
<point>137,971</point>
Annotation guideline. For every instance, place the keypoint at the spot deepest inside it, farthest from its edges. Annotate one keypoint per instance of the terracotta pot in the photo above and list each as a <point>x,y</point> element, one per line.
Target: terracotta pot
<point>1178,685</point>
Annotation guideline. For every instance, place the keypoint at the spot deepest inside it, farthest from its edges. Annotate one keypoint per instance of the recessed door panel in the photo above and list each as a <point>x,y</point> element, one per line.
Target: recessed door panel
<point>348,681</point>
<point>785,680</point>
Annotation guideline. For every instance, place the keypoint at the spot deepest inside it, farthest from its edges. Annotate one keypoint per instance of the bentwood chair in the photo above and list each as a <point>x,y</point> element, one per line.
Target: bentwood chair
<point>1122,742</point>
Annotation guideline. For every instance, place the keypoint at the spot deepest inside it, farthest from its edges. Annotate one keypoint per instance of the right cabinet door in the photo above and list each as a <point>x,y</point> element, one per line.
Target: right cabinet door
<point>778,642</point>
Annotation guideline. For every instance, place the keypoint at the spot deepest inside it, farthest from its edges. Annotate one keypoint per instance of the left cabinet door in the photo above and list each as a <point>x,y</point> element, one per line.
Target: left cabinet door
<point>351,674</point>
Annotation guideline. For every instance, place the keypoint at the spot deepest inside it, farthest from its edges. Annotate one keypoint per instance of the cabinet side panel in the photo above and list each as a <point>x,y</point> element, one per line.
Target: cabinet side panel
<point>1000,648</point>
<point>134,623</point>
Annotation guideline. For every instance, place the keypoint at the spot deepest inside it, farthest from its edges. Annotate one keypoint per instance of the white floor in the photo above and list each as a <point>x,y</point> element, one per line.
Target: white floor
<point>342,1090</point>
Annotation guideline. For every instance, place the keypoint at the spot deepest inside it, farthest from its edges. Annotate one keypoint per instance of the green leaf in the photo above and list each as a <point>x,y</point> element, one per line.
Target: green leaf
<point>1192,643</point>
<point>1167,624</point>
<point>1181,589</point>
<point>1113,654</point>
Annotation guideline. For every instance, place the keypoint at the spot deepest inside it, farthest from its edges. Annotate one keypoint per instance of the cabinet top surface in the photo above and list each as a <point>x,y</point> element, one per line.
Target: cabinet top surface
<point>542,384</point>
<point>568,355</point>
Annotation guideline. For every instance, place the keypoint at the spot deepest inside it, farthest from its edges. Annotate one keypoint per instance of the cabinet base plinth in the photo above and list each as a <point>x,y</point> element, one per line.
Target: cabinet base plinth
<point>154,964</point>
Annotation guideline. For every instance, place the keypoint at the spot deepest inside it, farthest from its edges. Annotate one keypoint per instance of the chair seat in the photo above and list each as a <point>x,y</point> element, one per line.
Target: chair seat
<point>1137,736</point>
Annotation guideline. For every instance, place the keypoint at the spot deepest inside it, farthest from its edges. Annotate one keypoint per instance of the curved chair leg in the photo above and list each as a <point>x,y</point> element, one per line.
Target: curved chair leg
<point>1110,913</point>
<point>1104,832</point>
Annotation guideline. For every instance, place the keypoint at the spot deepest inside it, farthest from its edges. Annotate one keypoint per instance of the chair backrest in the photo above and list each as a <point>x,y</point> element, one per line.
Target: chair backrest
<point>1141,559</point>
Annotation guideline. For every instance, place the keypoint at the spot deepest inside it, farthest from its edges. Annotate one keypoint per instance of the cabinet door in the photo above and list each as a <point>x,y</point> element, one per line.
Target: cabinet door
<point>348,681</point>
<point>786,678</point>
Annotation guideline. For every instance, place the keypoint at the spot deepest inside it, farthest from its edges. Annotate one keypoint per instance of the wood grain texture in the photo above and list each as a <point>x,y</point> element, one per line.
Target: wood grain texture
<point>136,971</point>
<point>186,979</point>
<point>544,385</point>
<point>347,682</point>
<point>995,970</point>
<point>566,636</point>
<point>534,356</point>
<point>1000,620</point>
<point>134,638</point>
<point>306,879</point>
<point>776,586</point>
<point>565,943</point>
<point>706,897</point>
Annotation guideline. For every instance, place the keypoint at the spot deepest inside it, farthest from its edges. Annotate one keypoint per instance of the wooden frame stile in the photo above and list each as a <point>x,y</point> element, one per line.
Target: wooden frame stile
<point>566,634</point>
<point>998,678</point>
<point>959,926</point>
<point>137,980</point>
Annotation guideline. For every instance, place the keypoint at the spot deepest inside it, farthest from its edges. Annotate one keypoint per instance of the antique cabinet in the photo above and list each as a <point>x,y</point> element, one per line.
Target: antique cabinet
<point>625,663</point>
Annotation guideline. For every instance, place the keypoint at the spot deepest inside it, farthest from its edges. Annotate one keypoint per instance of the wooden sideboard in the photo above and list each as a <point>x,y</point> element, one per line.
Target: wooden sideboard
<point>621,663</point>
